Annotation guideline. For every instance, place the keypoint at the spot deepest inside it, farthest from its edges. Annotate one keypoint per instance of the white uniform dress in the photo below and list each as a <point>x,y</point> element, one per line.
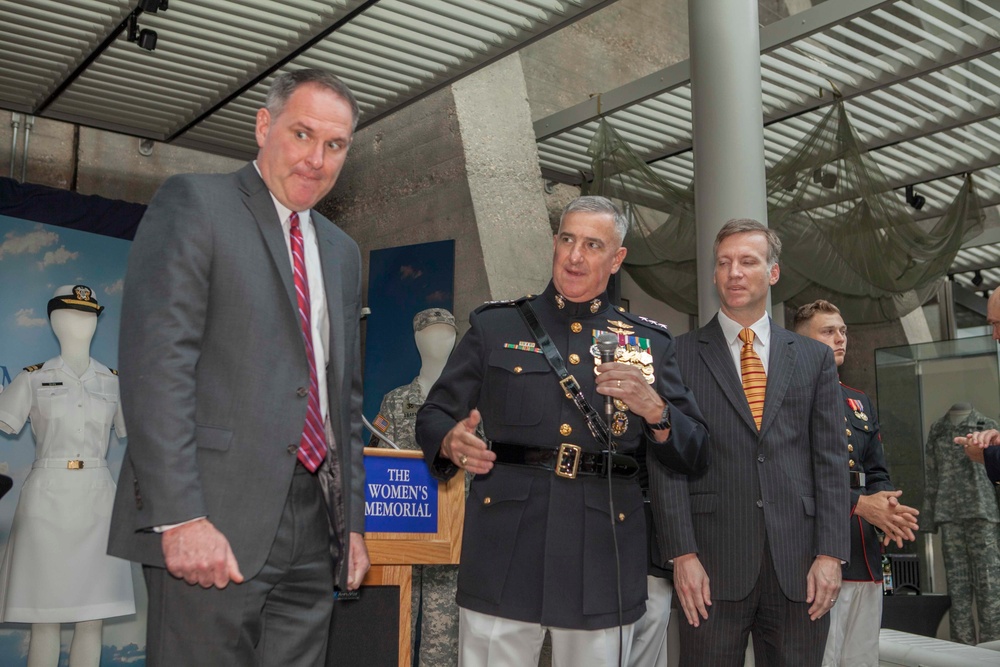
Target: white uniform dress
<point>56,569</point>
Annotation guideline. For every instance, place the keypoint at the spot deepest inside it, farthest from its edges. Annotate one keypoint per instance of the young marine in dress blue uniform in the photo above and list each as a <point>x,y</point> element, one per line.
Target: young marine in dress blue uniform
<point>856,618</point>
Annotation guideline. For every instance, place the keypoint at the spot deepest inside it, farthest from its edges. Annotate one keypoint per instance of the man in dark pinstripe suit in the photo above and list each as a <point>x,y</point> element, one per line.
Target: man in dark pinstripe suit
<point>758,540</point>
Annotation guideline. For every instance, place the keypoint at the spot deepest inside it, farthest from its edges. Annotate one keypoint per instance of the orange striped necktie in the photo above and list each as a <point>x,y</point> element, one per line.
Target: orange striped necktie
<point>754,378</point>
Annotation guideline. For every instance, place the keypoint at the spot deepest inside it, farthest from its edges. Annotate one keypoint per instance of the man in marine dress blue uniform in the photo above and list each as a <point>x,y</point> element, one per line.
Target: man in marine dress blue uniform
<point>539,552</point>
<point>856,618</point>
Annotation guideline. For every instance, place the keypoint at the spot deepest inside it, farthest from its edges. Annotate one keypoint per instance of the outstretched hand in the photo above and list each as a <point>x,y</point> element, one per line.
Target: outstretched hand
<point>465,449</point>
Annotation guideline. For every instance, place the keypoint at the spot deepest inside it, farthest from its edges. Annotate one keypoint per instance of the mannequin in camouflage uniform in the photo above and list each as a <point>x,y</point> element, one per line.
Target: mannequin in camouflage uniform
<point>961,501</point>
<point>434,332</point>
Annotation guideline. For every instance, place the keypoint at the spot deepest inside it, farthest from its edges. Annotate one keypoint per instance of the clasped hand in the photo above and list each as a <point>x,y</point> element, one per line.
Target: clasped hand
<point>884,511</point>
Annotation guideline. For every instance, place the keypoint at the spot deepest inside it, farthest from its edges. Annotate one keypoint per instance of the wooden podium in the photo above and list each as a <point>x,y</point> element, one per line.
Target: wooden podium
<point>393,554</point>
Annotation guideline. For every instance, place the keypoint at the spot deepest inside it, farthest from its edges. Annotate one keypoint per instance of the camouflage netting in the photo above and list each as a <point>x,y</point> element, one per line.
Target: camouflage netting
<point>846,235</point>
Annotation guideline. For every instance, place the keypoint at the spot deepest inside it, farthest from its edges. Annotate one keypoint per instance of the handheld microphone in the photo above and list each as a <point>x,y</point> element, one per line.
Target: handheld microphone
<point>607,343</point>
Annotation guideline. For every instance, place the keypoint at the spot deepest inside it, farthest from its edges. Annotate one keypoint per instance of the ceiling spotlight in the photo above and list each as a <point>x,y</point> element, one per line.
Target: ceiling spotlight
<point>913,199</point>
<point>977,278</point>
<point>152,6</point>
<point>145,38</point>
<point>827,179</point>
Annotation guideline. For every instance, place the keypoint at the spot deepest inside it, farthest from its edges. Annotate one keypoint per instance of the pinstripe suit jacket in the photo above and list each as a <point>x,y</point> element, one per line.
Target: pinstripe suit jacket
<point>785,484</point>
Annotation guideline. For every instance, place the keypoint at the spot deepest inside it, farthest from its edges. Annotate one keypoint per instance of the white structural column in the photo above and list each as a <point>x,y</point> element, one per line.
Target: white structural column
<point>728,127</point>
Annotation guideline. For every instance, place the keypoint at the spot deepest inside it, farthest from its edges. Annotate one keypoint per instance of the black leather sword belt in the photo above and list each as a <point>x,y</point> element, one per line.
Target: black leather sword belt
<point>857,480</point>
<point>566,460</point>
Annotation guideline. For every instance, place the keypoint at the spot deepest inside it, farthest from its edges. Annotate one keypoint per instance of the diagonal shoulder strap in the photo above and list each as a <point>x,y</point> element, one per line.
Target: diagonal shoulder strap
<point>568,383</point>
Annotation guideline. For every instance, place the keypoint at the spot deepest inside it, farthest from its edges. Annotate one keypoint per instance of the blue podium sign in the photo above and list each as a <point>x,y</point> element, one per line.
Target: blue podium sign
<point>400,496</point>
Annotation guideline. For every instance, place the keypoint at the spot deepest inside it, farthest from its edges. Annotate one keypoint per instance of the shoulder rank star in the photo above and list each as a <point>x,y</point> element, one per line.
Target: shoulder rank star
<point>653,322</point>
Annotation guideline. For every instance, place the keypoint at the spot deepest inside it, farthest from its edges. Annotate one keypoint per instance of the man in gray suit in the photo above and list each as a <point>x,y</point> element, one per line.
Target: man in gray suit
<point>756,541</point>
<point>241,492</point>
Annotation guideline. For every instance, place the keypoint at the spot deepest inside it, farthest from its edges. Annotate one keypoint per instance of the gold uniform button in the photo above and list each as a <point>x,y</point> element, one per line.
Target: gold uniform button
<point>850,448</point>
<point>866,427</point>
<point>565,429</point>
<point>518,369</point>
<point>850,463</point>
<point>621,517</point>
<point>576,327</point>
<point>487,500</point>
<point>574,359</point>
<point>848,433</point>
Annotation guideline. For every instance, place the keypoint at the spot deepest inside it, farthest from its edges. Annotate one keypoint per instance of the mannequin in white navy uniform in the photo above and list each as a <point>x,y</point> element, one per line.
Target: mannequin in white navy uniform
<point>72,402</point>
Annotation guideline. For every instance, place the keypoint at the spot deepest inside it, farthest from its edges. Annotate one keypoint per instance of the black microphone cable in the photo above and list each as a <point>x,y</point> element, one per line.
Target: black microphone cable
<point>607,344</point>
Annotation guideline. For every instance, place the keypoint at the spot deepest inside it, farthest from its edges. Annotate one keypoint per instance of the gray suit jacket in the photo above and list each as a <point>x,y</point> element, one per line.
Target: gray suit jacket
<point>786,483</point>
<point>212,365</point>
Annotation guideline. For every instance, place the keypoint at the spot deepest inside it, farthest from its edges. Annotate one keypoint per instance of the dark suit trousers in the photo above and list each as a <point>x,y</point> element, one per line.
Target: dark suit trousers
<point>783,635</point>
<point>280,617</point>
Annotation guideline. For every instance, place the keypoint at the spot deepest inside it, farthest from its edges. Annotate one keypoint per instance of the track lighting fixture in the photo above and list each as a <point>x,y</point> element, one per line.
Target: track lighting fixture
<point>827,179</point>
<point>913,199</point>
<point>144,37</point>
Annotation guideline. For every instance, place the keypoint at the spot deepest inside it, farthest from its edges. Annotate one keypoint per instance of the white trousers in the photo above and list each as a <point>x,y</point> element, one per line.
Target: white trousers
<point>491,641</point>
<point>649,644</point>
<point>854,624</point>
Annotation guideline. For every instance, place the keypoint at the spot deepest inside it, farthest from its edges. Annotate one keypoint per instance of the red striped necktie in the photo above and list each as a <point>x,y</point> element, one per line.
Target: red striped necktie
<point>754,378</point>
<point>312,447</point>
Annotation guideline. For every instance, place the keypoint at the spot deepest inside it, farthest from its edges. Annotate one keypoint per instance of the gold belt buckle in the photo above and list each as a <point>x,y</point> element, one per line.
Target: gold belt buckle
<point>569,386</point>
<point>568,460</point>
<point>75,464</point>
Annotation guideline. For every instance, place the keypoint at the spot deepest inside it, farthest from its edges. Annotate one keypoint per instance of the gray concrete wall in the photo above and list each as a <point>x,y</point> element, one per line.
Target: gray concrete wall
<point>504,178</point>
<point>621,43</point>
<point>95,162</point>
<point>460,164</point>
<point>404,183</point>
<point>51,147</point>
<point>110,165</point>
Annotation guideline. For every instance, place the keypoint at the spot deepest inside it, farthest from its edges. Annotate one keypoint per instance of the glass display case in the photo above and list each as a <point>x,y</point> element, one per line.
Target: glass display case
<point>919,385</point>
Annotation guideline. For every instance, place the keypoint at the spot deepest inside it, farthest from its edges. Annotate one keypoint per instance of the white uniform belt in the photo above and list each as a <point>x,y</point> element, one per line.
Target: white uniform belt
<point>71,464</point>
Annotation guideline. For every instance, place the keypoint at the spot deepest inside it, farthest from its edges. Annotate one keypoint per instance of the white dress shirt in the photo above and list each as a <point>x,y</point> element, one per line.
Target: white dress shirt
<point>761,342</point>
<point>318,316</point>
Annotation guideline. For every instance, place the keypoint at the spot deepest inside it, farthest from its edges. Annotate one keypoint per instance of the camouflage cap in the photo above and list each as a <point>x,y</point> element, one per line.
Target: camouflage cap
<point>76,297</point>
<point>425,318</point>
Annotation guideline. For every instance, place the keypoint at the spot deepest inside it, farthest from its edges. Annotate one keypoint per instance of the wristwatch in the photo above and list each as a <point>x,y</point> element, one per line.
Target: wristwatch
<point>664,422</point>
